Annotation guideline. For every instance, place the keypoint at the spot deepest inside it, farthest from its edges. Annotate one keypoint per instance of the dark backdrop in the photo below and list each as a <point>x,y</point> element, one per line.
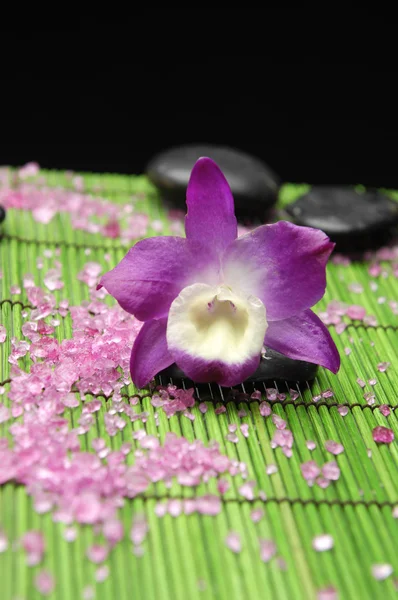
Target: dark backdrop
<point>317,128</point>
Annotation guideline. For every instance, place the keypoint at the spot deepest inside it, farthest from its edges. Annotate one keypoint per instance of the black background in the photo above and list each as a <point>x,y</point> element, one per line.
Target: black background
<point>324,124</point>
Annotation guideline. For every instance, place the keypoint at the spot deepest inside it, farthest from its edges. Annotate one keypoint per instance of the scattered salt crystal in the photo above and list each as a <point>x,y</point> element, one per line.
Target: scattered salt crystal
<point>2,391</point>
<point>70,534</point>
<point>267,550</point>
<point>356,312</point>
<point>355,287</point>
<point>44,582</point>
<point>242,413</point>
<point>160,509</point>
<point>278,421</point>
<point>245,430</point>
<point>271,469</point>
<point>293,394</point>
<point>33,544</point>
<point>370,398</point>
<point>203,407</point>
<point>282,438</point>
<point>15,290</point>
<point>328,393</point>
<point>232,437</point>
<point>322,482</point>
<point>174,507</point>
<point>272,394</point>
<point>331,470</point>
<point>395,512</point>
<point>3,541</point>
<point>256,515</point>
<point>383,435</point>
<point>329,593</point>
<point>340,327</point>
<point>97,553</point>
<point>287,452</point>
<point>334,447</point>
<point>233,542</point>
<point>256,395</point>
<point>223,486</point>
<point>385,410</point>
<point>370,321</point>
<point>247,490</point>
<point>232,427</point>
<point>88,593</point>
<point>383,366</point>
<point>347,351</point>
<point>343,410</point>
<point>265,409</point>
<point>310,445</point>
<point>208,504</point>
<point>281,563</point>
<point>3,334</point>
<point>101,573</point>
<point>361,382</point>
<point>372,381</point>
<point>220,410</point>
<point>323,542</point>
<point>381,571</point>
<point>310,470</point>
<point>316,398</point>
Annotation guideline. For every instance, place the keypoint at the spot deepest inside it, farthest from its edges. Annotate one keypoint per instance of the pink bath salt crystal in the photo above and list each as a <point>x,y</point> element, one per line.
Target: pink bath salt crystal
<point>111,229</point>
<point>220,410</point>
<point>247,490</point>
<point>70,534</point>
<point>223,486</point>
<point>385,410</point>
<point>356,312</point>
<point>272,394</point>
<point>283,438</point>
<point>15,290</point>
<point>381,571</point>
<point>370,398</point>
<point>328,393</point>
<point>242,413</point>
<point>3,334</point>
<point>233,542</point>
<point>310,470</point>
<point>265,409</point>
<point>3,541</point>
<point>287,452</point>
<point>278,421</point>
<point>87,508</point>
<point>323,542</point>
<point>370,321</point>
<point>331,470</point>
<point>5,413</point>
<point>347,351</point>
<point>382,367</point>
<point>33,544</point>
<point>395,512</point>
<point>149,442</point>
<point>97,553</point>
<point>52,280</point>
<point>334,447</point>
<point>208,504</point>
<point>101,573</point>
<point>203,407</point>
<point>174,507</point>
<point>3,391</point>
<point>70,400</point>
<point>256,395</point>
<point>245,430</point>
<point>316,398</point>
<point>293,394</point>
<point>310,445</point>
<point>139,530</point>
<point>113,531</point>
<point>342,410</point>
<point>267,550</point>
<point>322,482</point>
<point>232,437</point>
<point>340,328</point>
<point>232,427</point>
<point>355,287</point>
<point>383,435</point>
<point>361,382</point>
<point>44,214</point>
<point>256,515</point>
<point>88,593</point>
<point>329,593</point>
<point>374,269</point>
<point>160,509</point>
<point>44,582</point>
<point>271,469</point>
<point>90,274</point>
<point>372,382</point>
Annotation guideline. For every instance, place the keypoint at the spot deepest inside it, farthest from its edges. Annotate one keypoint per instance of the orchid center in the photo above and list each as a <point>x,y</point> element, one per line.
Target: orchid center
<point>216,323</point>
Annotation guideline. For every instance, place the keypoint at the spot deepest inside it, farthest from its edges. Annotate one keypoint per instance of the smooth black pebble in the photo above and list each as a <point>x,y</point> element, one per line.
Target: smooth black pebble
<point>273,367</point>
<point>354,220</point>
<point>254,185</point>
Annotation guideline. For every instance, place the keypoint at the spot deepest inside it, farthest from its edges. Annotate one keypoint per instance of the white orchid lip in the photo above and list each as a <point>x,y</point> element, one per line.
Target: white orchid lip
<point>216,323</point>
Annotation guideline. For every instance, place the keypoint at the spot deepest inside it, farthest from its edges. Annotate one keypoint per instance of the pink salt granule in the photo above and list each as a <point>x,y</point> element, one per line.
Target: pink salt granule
<point>3,334</point>
<point>33,544</point>
<point>334,447</point>
<point>383,366</point>
<point>44,582</point>
<point>381,571</point>
<point>233,542</point>
<point>267,550</point>
<point>329,593</point>
<point>343,410</point>
<point>265,409</point>
<point>278,421</point>
<point>310,470</point>
<point>323,542</point>
<point>97,553</point>
<point>271,469</point>
<point>385,410</point>
<point>256,515</point>
<point>383,435</point>
<point>331,470</point>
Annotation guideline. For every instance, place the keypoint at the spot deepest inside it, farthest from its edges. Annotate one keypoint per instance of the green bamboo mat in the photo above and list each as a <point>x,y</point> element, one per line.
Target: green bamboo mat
<point>186,557</point>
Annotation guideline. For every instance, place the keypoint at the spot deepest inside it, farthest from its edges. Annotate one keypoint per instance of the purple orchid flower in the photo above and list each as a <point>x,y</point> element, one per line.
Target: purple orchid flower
<point>210,301</point>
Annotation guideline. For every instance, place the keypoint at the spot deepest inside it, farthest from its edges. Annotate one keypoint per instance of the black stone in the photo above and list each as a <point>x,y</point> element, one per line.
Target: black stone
<point>354,220</point>
<point>275,367</point>
<point>253,184</point>
<point>2,214</point>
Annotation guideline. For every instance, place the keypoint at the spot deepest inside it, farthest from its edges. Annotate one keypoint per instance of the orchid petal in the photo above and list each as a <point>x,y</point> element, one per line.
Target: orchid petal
<point>282,264</point>
<point>211,214</point>
<point>304,337</point>
<point>155,270</point>
<point>216,335</point>
<point>150,354</point>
